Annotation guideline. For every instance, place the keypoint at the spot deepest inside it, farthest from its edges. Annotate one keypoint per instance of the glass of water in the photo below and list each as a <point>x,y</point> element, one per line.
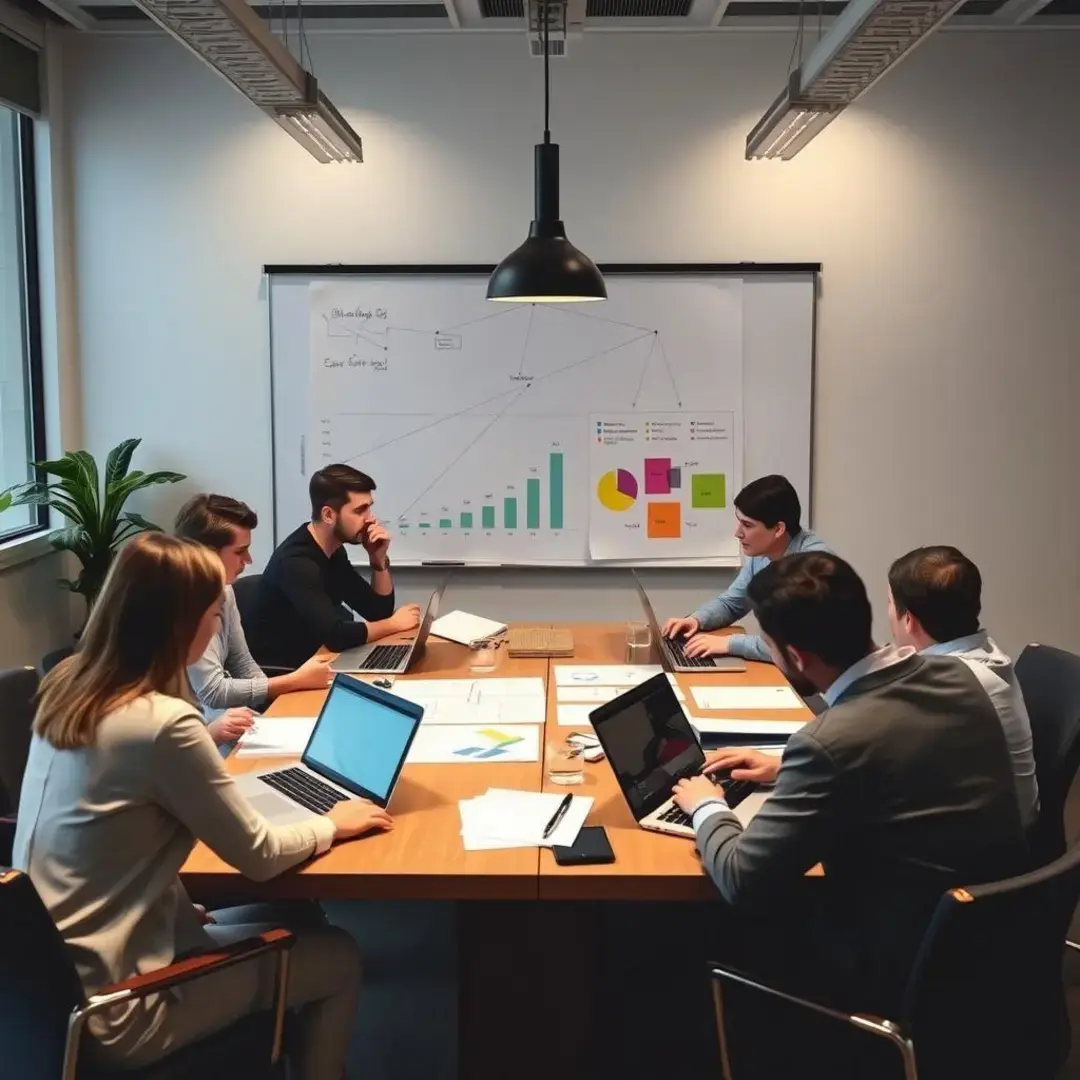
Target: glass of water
<point>484,655</point>
<point>638,642</point>
<point>565,763</point>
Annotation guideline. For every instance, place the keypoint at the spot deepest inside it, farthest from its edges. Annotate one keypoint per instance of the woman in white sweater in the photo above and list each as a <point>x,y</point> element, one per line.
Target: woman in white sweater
<point>122,779</point>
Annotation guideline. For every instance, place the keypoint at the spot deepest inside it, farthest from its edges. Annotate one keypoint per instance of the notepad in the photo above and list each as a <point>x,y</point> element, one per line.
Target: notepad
<point>276,736</point>
<point>505,818</point>
<point>739,698</point>
<point>464,628</point>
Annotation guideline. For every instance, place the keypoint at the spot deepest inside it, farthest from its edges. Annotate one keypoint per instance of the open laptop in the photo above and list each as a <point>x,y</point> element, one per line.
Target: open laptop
<point>356,750</point>
<point>671,649</point>
<point>391,659</point>
<point>652,746</point>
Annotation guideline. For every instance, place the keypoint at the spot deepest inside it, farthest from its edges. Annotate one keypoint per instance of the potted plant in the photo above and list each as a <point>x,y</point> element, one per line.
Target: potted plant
<point>98,522</point>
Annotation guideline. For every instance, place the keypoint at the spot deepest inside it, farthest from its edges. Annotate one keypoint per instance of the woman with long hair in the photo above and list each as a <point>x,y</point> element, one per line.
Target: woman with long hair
<point>122,779</point>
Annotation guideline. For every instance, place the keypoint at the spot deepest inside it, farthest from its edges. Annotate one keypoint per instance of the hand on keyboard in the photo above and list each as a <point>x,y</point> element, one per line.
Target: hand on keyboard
<point>358,816</point>
<point>689,794</point>
<point>741,763</point>
<point>707,645</point>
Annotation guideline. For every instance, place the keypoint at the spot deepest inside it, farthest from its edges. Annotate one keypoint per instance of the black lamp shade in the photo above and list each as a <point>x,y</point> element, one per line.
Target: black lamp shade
<point>547,268</point>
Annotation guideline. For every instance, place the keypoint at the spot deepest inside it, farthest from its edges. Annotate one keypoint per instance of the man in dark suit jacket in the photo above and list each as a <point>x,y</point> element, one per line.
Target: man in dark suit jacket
<point>902,789</point>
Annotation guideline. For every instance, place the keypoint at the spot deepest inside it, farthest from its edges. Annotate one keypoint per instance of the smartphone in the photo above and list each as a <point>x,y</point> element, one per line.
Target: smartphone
<point>591,846</point>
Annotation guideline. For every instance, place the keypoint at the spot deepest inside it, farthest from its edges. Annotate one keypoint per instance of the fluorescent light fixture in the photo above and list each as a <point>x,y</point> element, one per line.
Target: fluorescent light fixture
<point>865,40</point>
<point>240,46</point>
<point>321,130</point>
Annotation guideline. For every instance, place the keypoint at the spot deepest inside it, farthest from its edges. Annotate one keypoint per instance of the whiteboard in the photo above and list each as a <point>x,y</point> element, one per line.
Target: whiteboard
<point>482,423</point>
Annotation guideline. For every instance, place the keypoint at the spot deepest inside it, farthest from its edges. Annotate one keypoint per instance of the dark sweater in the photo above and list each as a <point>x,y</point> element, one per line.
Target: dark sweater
<point>300,605</point>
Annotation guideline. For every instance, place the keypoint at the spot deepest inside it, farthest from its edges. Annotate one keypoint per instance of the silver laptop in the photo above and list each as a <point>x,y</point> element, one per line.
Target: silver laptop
<point>356,751</point>
<point>391,659</point>
<point>671,649</point>
<point>651,746</point>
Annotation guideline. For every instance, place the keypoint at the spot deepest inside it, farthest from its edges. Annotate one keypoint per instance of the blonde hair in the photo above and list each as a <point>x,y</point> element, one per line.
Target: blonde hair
<point>136,640</point>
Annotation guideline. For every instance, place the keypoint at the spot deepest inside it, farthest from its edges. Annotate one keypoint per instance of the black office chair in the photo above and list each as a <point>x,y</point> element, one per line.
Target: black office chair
<point>985,997</point>
<point>246,590</point>
<point>51,659</point>
<point>43,1009</point>
<point>18,687</point>
<point>1050,681</point>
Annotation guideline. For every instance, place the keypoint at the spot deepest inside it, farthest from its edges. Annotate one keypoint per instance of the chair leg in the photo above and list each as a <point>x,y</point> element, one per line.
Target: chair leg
<point>721,1031</point>
<point>887,1029</point>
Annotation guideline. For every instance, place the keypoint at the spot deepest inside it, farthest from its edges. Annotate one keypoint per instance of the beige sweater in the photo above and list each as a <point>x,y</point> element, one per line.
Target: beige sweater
<point>103,831</point>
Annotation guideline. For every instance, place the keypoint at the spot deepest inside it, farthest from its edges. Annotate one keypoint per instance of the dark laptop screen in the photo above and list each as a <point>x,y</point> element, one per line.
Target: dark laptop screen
<point>649,742</point>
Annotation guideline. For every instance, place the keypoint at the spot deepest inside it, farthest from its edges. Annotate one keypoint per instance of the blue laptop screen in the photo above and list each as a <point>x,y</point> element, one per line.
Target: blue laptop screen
<point>362,739</point>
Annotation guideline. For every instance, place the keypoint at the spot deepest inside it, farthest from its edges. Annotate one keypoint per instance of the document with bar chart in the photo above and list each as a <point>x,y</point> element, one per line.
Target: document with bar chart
<point>478,421</point>
<point>662,483</point>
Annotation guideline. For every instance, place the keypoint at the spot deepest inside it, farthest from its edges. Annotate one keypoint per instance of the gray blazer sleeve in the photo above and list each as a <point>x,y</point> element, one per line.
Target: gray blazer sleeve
<point>794,830</point>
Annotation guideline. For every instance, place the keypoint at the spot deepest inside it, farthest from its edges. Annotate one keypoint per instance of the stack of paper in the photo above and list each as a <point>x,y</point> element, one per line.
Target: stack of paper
<point>508,819</point>
<point>464,628</point>
<point>739,698</point>
<point>276,736</point>
<point>477,701</point>
<point>624,675</point>
<point>456,744</point>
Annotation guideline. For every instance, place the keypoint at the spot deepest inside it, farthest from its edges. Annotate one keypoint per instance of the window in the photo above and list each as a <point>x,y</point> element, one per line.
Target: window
<point>22,435</point>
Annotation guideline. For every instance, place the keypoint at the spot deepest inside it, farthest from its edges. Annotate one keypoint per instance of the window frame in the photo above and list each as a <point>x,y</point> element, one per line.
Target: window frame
<point>31,303</point>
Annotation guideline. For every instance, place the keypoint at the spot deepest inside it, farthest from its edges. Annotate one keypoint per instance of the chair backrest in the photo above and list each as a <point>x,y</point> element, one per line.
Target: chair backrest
<point>986,995</point>
<point>18,686</point>
<point>51,659</point>
<point>246,591</point>
<point>38,983</point>
<point>1050,681</point>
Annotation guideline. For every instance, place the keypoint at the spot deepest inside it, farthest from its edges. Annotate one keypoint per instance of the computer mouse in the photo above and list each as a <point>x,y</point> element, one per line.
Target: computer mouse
<point>382,684</point>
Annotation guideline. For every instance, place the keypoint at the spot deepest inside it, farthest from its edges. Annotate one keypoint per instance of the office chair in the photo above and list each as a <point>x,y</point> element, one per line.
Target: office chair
<point>44,1011</point>
<point>1050,681</point>
<point>246,589</point>
<point>985,996</point>
<point>18,686</point>
<point>51,659</point>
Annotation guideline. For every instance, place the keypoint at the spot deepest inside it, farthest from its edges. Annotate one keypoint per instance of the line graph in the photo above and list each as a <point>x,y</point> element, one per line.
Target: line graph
<point>475,424</point>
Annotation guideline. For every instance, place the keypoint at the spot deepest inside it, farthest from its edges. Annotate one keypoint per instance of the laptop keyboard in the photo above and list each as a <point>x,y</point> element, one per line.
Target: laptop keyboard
<point>675,816</point>
<point>384,657</point>
<point>303,788</point>
<point>680,659</point>
<point>734,793</point>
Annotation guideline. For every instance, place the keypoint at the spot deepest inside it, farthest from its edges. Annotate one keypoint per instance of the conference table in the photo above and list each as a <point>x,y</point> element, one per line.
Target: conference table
<point>515,903</point>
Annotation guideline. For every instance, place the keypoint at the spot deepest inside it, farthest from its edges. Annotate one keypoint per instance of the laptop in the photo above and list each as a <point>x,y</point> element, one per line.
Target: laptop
<point>671,649</point>
<point>391,659</point>
<point>651,746</point>
<point>356,751</point>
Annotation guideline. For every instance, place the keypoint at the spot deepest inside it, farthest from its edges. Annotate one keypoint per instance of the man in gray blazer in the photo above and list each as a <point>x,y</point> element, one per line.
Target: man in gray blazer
<point>902,789</point>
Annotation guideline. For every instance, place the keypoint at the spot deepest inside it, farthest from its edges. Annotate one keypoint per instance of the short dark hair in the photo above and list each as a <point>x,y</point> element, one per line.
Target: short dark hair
<point>212,519</point>
<point>941,587</point>
<point>814,602</point>
<point>332,486</point>
<point>770,500</point>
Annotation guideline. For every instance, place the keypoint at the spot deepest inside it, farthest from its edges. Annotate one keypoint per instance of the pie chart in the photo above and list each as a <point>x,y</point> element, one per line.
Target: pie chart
<point>617,490</point>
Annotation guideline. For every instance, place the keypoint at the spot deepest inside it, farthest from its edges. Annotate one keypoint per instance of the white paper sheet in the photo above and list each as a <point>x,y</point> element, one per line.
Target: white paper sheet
<point>576,716</point>
<point>521,816</point>
<point>476,689</point>
<point>624,675</point>
<point>597,695</point>
<point>737,698</point>
<point>506,710</point>
<point>472,824</point>
<point>709,725</point>
<point>454,744</point>
<point>276,736</point>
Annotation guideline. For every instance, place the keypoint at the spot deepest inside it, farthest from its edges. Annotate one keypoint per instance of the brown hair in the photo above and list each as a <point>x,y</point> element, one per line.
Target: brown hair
<point>333,485</point>
<point>136,640</point>
<point>212,519</point>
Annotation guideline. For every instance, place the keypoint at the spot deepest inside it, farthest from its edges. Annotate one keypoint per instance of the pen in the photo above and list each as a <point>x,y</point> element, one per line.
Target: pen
<point>559,814</point>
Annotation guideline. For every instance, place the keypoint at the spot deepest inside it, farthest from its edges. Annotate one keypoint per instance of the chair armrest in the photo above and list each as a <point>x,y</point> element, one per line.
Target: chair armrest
<point>887,1029</point>
<point>278,941</point>
<point>193,967</point>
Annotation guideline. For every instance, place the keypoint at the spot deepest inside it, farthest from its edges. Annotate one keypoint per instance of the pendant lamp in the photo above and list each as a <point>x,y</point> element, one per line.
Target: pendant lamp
<point>547,268</point>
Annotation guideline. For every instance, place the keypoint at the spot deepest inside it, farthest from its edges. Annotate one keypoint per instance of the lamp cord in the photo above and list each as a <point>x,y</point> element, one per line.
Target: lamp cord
<point>545,9</point>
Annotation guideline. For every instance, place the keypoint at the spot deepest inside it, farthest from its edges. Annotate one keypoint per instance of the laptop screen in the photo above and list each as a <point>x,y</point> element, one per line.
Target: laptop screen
<point>361,738</point>
<point>649,742</point>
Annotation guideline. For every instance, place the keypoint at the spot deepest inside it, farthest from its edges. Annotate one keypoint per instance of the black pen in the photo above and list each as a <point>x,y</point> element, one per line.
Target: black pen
<point>559,814</point>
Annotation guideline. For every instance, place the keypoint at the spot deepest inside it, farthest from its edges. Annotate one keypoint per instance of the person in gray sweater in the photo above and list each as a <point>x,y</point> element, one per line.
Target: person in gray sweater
<point>902,789</point>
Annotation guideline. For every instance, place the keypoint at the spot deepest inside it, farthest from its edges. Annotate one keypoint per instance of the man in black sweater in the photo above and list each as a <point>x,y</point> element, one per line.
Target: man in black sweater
<point>309,583</point>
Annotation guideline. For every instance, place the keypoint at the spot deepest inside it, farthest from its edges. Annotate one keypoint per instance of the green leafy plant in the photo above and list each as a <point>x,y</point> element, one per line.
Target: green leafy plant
<point>98,523</point>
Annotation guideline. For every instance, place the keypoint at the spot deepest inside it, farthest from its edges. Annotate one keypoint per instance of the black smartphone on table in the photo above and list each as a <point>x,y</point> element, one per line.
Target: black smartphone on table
<point>591,846</point>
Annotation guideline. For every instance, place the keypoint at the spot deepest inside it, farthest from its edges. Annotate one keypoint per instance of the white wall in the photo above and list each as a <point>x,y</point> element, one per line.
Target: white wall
<point>942,209</point>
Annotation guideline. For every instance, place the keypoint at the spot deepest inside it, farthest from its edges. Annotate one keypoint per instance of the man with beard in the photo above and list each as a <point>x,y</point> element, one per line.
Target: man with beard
<point>902,789</point>
<point>304,590</point>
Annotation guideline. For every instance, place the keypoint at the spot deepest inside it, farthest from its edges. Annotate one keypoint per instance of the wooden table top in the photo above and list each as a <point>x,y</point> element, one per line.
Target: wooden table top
<point>423,857</point>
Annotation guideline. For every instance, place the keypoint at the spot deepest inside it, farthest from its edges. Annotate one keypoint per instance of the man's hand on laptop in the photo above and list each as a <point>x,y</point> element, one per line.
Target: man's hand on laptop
<point>707,645</point>
<point>743,764</point>
<point>690,794</point>
<point>407,617</point>
<point>358,816</point>
<point>230,725</point>
<point>681,628</point>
